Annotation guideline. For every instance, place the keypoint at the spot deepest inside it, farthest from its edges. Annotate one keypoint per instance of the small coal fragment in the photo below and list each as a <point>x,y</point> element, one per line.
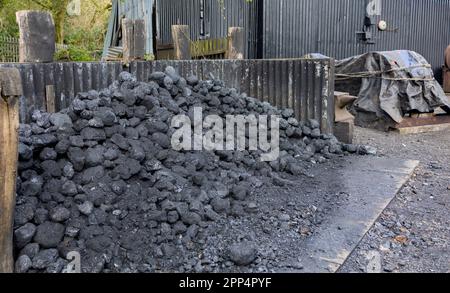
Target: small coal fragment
<point>243,254</point>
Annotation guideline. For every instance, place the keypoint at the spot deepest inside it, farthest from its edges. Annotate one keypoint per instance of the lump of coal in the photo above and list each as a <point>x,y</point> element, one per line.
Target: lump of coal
<point>24,235</point>
<point>243,254</point>
<point>49,234</point>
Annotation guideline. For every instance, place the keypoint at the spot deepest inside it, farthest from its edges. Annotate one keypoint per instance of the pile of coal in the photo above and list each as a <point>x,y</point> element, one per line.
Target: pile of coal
<point>101,178</point>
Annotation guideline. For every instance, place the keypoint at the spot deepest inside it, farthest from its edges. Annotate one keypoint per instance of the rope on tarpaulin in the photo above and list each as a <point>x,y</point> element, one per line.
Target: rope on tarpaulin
<point>375,74</point>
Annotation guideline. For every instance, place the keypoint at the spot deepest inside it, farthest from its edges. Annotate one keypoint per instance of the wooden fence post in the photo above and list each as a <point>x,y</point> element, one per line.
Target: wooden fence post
<point>236,43</point>
<point>133,39</point>
<point>140,38</point>
<point>181,42</point>
<point>127,40</point>
<point>10,90</point>
<point>50,98</point>
<point>37,36</point>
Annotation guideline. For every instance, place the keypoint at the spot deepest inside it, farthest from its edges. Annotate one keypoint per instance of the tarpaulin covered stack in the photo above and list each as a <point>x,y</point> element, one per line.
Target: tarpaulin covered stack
<point>389,85</point>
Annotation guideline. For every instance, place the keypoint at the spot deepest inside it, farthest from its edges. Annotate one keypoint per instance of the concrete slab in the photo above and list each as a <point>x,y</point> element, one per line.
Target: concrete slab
<point>371,183</point>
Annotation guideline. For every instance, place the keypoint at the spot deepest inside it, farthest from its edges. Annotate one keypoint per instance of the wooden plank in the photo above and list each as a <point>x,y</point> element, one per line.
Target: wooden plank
<point>209,49</point>
<point>50,98</point>
<point>425,121</point>
<point>423,129</point>
<point>344,131</point>
<point>49,73</point>
<point>236,43</point>
<point>9,123</point>
<point>127,40</point>
<point>139,39</point>
<point>182,43</point>
<point>9,141</point>
<point>37,36</point>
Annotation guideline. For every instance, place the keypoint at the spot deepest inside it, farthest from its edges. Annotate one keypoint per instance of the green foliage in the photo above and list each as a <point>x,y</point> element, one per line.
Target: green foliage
<point>84,34</point>
<point>149,57</point>
<point>8,8</point>
<point>89,39</point>
<point>73,54</point>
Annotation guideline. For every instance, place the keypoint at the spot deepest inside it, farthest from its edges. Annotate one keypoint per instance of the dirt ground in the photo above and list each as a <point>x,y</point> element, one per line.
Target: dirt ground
<point>413,233</point>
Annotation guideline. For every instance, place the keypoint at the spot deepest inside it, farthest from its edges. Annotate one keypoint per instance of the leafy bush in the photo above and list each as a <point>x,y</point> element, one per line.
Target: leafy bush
<point>74,53</point>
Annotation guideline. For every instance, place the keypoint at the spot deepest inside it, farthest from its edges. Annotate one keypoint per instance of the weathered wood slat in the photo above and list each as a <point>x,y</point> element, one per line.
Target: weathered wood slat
<point>209,49</point>
<point>10,90</point>
<point>50,98</point>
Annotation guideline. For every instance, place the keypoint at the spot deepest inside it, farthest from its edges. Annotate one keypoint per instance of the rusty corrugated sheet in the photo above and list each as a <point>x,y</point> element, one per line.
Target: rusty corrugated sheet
<point>305,85</point>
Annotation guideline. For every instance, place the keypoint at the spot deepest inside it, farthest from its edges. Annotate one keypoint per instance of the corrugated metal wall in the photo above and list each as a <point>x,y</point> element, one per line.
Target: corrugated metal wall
<point>293,28</point>
<point>218,16</point>
<point>305,85</point>
<point>67,77</point>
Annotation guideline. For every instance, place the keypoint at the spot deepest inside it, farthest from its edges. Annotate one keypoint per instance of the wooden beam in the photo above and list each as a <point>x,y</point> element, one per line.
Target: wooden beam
<point>140,39</point>
<point>37,36</point>
<point>236,43</point>
<point>181,42</point>
<point>423,129</point>
<point>128,40</point>
<point>10,90</point>
<point>423,121</point>
<point>344,131</point>
<point>50,98</point>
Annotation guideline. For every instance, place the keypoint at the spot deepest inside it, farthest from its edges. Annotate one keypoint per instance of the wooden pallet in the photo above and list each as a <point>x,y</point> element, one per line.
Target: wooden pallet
<point>423,123</point>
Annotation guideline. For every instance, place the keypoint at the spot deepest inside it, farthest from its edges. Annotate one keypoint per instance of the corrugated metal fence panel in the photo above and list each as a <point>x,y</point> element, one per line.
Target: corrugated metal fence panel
<point>305,85</point>
<point>293,28</point>
<point>219,15</point>
<point>231,13</point>
<point>68,79</point>
<point>173,12</point>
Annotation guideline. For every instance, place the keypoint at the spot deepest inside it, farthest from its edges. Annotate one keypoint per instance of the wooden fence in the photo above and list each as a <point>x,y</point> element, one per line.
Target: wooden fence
<point>9,49</point>
<point>211,49</point>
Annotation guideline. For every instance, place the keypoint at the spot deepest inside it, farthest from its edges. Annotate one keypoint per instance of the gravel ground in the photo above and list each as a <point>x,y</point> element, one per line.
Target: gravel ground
<point>413,233</point>
<point>280,224</point>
